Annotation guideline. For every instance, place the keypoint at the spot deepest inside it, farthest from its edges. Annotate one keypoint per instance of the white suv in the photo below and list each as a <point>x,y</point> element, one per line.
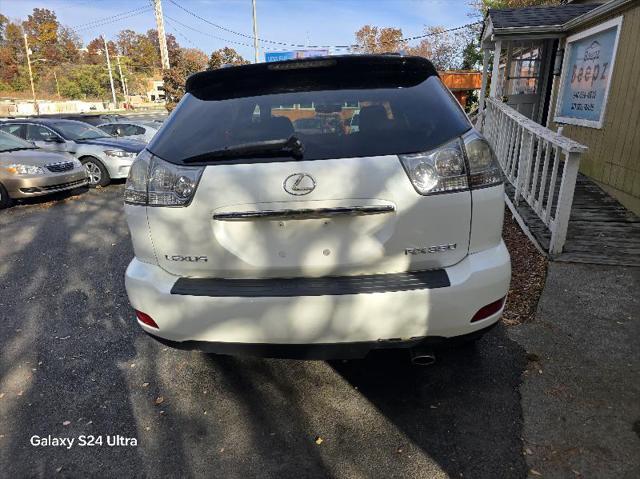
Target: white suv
<point>252,237</point>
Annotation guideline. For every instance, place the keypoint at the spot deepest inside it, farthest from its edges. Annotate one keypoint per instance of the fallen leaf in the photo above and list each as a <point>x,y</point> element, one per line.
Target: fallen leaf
<point>159,400</point>
<point>59,469</point>
<point>319,440</point>
<point>133,365</point>
<point>528,451</point>
<point>66,423</point>
<point>534,472</point>
<point>1,395</point>
<point>145,385</point>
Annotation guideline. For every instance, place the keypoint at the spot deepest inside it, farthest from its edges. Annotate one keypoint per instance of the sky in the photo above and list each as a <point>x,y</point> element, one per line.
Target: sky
<point>309,22</point>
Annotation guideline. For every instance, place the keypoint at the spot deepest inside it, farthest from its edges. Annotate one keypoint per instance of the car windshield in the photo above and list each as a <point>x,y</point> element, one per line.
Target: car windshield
<point>10,142</point>
<point>389,121</point>
<point>79,131</point>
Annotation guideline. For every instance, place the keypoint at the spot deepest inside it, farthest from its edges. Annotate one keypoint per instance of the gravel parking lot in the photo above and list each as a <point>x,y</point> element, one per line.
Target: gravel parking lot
<point>73,362</point>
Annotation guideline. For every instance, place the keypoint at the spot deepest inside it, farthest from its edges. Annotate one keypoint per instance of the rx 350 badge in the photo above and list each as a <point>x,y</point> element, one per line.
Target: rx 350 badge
<point>440,248</point>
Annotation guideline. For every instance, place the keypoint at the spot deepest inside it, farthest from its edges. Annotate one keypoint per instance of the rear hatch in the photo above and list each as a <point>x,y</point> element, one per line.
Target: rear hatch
<point>329,199</point>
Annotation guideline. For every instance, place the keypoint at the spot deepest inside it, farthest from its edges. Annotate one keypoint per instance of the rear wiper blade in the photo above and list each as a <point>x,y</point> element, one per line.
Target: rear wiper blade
<point>291,146</point>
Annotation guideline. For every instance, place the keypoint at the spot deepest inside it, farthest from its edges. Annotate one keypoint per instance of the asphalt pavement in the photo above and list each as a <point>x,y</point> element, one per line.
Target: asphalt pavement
<point>581,389</point>
<point>74,363</point>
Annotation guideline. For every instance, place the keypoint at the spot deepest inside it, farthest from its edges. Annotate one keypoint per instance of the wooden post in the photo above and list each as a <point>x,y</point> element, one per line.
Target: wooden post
<point>524,166</point>
<point>496,69</point>
<point>483,89</point>
<point>565,201</point>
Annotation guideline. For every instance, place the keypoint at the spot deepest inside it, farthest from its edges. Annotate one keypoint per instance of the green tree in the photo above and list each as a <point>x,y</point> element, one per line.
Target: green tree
<point>69,45</point>
<point>471,56</point>
<point>143,53</point>
<point>225,56</point>
<point>86,82</point>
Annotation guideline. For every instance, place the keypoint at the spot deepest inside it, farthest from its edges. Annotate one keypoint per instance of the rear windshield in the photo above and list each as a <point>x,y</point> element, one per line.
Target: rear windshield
<point>330,123</point>
<point>73,130</point>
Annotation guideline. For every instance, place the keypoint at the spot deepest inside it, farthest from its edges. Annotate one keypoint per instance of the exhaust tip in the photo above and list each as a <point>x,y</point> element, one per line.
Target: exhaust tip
<point>422,357</point>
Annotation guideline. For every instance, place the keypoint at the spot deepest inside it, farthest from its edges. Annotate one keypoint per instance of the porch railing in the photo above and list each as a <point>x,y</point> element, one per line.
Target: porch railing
<point>541,165</point>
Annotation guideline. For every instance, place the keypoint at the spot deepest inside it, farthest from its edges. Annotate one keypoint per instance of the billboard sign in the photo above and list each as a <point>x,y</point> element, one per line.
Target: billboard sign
<point>293,55</point>
<point>586,75</point>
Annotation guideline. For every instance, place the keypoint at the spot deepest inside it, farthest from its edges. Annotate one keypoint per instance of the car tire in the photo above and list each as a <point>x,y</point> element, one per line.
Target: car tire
<point>96,172</point>
<point>5,200</point>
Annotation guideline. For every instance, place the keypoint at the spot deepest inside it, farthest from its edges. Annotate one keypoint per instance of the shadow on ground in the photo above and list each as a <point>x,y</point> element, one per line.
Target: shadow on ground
<point>73,362</point>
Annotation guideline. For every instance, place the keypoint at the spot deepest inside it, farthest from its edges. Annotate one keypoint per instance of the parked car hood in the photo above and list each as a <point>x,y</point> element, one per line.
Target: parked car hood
<point>120,143</point>
<point>36,157</point>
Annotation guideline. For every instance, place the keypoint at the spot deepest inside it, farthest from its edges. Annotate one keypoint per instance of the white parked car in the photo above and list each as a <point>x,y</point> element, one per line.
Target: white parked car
<point>250,237</point>
<point>142,131</point>
<point>104,157</point>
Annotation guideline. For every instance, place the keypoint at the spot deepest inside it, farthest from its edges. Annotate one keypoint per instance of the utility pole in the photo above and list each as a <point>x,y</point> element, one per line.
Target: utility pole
<point>162,39</point>
<point>113,90</point>
<point>33,89</point>
<point>255,32</point>
<point>122,80</point>
<point>55,75</point>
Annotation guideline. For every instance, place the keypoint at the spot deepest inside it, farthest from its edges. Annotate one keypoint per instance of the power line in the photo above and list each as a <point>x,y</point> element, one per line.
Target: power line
<point>175,30</point>
<point>174,21</point>
<point>298,45</point>
<point>113,20</point>
<point>109,17</point>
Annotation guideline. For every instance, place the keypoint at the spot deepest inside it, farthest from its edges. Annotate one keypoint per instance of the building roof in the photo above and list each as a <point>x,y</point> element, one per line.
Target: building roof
<point>537,16</point>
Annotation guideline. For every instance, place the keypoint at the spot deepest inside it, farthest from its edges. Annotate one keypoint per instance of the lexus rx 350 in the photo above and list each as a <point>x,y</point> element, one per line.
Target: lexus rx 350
<point>252,237</point>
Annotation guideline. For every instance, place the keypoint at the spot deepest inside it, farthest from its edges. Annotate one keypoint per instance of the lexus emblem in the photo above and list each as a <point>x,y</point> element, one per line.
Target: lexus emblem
<point>299,184</point>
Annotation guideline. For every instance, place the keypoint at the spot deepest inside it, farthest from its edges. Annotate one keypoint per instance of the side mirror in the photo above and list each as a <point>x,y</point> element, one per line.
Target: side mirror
<point>53,139</point>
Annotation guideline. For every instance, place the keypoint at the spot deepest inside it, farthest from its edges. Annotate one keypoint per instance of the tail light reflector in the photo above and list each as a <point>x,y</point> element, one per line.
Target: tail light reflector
<point>488,310</point>
<point>146,319</point>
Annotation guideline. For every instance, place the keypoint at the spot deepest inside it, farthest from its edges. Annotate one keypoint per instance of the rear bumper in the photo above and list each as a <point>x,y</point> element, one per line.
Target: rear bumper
<point>354,350</point>
<point>44,185</point>
<point>392,316</point>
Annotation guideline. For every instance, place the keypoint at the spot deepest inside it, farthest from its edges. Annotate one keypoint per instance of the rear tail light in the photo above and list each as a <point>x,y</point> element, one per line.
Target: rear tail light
<point>437,171</point>
<point>488,310</point>
<point>155,182</point>
<point>484,169</point>
<point>146,319</point>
